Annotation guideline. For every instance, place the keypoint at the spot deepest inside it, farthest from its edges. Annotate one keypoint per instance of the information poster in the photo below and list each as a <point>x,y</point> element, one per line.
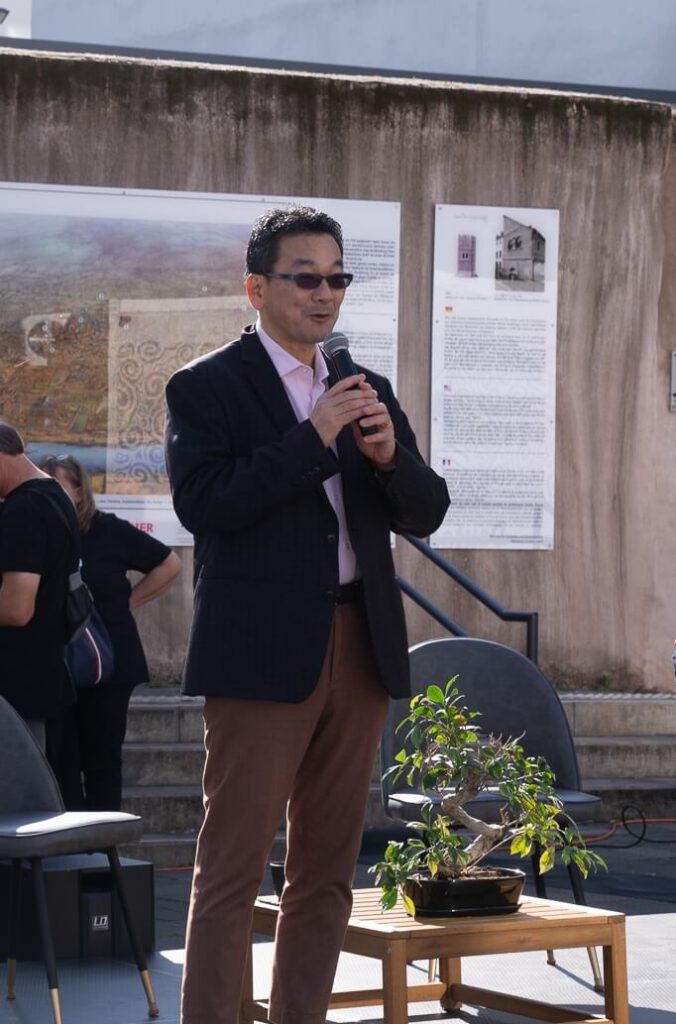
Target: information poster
<point>494,374</point>
<point>106,292</point>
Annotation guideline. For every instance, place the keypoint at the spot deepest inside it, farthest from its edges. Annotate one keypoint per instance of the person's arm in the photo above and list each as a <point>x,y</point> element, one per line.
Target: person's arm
<point>155,582</point>
<point>417,497</point>
<point>18,592</point>
<point>218,480</point>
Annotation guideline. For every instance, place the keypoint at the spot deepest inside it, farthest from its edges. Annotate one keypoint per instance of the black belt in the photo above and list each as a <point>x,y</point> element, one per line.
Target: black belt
<point>349,593</point>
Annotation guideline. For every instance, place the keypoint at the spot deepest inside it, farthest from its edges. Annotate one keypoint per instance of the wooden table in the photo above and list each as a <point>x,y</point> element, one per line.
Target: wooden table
<point>396,939</point>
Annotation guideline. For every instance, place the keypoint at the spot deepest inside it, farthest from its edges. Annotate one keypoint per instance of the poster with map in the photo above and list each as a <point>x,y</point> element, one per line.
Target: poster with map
<point>106,292</point>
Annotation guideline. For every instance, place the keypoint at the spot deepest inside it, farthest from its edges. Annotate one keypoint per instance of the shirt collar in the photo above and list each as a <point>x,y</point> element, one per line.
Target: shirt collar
<point>285,363</point>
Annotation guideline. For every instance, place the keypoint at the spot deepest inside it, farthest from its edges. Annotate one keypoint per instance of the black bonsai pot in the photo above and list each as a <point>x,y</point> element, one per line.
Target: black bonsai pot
<point>487,891</point>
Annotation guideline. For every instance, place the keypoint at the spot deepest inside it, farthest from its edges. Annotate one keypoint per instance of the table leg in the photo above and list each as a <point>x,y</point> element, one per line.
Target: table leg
<point>395,996</point>
<point>615,972</point>
<point>450,972</point>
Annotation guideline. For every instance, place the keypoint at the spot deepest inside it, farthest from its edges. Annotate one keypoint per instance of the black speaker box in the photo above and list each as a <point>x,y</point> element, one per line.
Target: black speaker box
<point>84,911</point>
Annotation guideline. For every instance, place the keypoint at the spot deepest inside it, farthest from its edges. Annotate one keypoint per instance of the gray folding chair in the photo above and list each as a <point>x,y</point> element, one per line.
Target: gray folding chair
<point>513,697</point>
<point>34,825</point>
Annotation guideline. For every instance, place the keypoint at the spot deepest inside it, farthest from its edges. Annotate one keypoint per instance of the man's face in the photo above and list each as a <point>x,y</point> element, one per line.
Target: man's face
<point>295,318</point>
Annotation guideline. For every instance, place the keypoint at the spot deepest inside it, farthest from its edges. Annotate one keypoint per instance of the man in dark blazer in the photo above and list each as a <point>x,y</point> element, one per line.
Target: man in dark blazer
<point>298,632</point>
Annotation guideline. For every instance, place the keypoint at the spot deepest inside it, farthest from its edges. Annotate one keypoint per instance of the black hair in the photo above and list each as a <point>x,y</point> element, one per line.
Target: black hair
<point>263,248</point>
<point>11,442</point>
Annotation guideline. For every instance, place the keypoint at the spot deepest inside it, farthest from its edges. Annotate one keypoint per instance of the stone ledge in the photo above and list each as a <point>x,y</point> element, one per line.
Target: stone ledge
<point>148,699</point>
<point>568,696</point>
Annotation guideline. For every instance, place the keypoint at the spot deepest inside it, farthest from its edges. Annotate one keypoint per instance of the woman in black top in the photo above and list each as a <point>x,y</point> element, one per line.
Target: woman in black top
<point>110,548</point>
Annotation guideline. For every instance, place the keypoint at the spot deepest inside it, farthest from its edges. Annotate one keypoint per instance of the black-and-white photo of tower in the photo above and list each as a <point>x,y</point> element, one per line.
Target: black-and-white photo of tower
<point>519,257</point>
<point>466,256</point>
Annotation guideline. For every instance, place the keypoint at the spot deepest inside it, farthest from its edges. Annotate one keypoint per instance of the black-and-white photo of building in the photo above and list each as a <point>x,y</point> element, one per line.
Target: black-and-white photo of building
<point>519,257</point>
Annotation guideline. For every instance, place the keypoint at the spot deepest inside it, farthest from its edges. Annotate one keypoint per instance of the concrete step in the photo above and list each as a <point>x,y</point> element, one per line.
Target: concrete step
<point>155,717</point>
<point>636,714</point>
<point>626,757</point>
<point>171,810</point>
<point>165,808</point>
<point>168,850</point>
<point>165,719</point>
<point>651,798</point>
<point>162,764</point>
<point>177,850</point>
<point>625,745</point>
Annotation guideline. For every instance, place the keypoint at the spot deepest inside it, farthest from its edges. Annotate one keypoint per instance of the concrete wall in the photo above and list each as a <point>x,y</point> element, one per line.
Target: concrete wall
<point>605,593</point>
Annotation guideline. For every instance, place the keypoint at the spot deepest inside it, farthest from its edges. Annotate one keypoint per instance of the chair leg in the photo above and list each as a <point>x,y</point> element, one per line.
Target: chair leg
<point>540,891</point>
<point>577,887</point>
<point>46,936</point>
<point>14,914</point>
<point>576,884</point>
<point>139,955</point>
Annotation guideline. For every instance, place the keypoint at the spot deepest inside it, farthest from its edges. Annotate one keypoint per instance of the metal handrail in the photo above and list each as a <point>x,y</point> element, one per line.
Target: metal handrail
<point>529,618</point>
<point>430,608</point>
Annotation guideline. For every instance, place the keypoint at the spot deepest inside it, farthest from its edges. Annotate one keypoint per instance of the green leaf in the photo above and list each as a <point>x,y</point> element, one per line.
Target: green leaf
<point>436,694</point>
<point>409,904</point>
<point>546,862</point>
<point>388,900</point>
<point>520,846</point>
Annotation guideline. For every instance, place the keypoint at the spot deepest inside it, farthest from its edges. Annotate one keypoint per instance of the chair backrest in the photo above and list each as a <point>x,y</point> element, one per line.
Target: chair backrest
<point>27,782</point>
<point>511,693</point>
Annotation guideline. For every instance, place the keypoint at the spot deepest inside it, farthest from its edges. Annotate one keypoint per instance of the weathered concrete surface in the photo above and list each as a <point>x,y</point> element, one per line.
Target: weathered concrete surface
<point>605,593</point>
<point>616,715</point>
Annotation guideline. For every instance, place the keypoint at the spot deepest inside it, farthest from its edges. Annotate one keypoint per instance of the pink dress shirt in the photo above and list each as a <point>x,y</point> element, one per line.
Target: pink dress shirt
<point>304,385</point>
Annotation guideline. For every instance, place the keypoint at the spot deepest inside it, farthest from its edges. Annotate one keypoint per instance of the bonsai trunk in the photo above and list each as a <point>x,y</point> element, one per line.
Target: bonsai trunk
<point>488,836</point>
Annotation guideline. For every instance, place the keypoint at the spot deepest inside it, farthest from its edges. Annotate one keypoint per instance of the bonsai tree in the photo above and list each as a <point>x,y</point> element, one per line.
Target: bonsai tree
<point>446,754</point>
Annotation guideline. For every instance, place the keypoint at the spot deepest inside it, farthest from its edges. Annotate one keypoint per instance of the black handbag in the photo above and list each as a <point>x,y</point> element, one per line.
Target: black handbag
<point>89,657</point>
<point>79,605</point>
<point>88,652</point>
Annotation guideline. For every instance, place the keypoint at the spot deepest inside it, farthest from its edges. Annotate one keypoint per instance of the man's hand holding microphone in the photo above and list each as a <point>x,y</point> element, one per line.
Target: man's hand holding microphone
<point>353,400</point>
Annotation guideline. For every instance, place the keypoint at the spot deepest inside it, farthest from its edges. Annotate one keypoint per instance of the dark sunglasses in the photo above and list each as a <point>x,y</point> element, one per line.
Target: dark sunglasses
<point>308,282</point>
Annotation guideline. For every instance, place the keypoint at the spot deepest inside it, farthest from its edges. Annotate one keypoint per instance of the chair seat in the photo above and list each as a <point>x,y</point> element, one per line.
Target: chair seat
<point>406,804</point>
<point>50,833</point>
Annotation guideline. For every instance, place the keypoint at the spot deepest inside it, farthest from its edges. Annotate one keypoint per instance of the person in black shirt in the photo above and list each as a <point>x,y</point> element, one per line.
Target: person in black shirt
<point>110,547</point>
<point>36,552</point>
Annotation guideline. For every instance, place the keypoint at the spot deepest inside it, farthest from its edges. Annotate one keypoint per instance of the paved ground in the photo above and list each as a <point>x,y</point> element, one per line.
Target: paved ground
<point>641,882</point>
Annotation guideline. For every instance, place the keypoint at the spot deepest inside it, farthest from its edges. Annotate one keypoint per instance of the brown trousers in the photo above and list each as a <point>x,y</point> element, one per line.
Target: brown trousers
<point>314,758</point>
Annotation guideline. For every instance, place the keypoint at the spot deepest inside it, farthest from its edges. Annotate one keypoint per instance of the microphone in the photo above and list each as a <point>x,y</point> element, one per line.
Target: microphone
<point>337,348</point>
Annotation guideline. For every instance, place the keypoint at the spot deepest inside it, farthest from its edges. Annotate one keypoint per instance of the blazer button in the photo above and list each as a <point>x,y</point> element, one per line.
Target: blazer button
<point>330,595</point>
<point>332,538</point>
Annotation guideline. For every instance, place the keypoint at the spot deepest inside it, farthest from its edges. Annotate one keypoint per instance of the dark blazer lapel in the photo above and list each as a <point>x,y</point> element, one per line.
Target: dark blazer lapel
<point>266,383</point>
